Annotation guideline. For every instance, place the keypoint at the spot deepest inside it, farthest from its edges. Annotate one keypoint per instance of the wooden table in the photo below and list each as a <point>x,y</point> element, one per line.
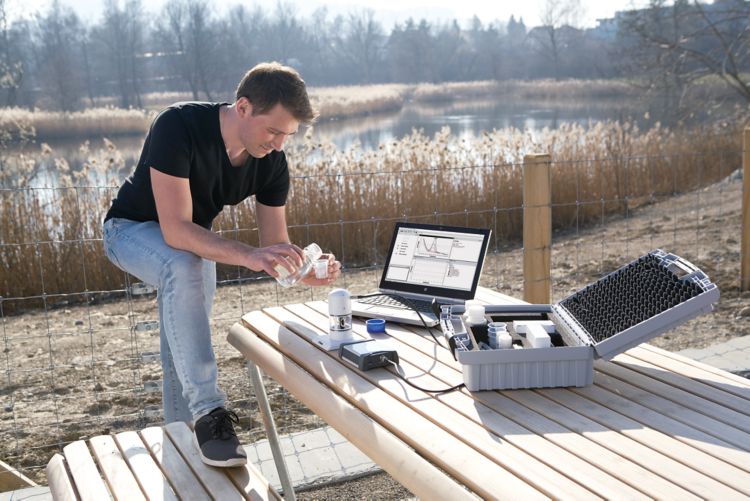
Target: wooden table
<point>653,424</point>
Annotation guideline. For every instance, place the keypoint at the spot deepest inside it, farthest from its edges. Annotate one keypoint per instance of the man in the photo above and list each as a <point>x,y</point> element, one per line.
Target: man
<point>197,158</point>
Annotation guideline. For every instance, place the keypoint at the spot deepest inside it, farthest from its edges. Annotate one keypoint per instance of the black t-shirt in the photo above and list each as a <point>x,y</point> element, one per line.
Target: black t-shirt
<point>185,141</point>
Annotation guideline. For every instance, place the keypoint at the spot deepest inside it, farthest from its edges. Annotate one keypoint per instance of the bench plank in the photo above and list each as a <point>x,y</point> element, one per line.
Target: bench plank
<point>144,467</point>
<point>157,463</point>
<point>733,378</point>
<point>115,469</point>
<point>252,482</point>
<point>705,475</point>
<point>728,417</point>
<point>698,429</point>
<point>179,474</point>
<point>60,483</point>
<point>687,444</point>
<point>84,472</point>
<point>689,376</point>
<point>213,479</point>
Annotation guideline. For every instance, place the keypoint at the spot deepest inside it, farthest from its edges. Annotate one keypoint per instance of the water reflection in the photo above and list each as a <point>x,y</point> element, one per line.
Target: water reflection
<point>469,120</point>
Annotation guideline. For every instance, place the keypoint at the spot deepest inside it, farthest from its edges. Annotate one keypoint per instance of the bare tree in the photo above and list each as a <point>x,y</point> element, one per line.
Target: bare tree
<point>245,33</point>
<point>557,17</point>
<point>121,37</point>
<point>201,42</point>
<point>187,32</point>
<point>361,43</point>
<point>681,43</point>
<point>321,44</point>
<point>58,61</point>
<point>11,67</point>
<point>456,57</point>
<point>411,52</point>
<point>286,33</point>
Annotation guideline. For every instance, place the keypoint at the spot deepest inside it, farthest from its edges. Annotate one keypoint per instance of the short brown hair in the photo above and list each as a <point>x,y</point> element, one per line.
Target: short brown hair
<point>268,84</point>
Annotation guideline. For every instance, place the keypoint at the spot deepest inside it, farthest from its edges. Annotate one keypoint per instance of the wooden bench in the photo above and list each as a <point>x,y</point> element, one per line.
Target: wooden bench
<point>154,463</point>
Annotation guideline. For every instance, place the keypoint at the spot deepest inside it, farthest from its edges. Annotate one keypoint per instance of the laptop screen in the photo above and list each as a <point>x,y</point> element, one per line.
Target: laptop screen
<point>439,261</point>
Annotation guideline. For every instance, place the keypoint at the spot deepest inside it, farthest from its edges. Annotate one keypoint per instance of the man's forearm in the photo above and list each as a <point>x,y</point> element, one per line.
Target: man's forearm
<point>191,237</point>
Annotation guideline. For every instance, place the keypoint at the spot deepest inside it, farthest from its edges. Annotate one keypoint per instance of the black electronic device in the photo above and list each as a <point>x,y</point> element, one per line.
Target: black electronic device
<point>368,354</point>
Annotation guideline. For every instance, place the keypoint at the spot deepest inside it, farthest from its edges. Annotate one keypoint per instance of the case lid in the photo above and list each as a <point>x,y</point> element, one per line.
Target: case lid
<point>637,302</point>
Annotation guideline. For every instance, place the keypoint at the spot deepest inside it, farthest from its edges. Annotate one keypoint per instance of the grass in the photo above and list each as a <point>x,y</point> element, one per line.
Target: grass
<point>347,201</point>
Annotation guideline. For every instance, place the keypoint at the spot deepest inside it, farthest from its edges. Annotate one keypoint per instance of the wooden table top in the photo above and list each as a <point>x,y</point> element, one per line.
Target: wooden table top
<point>653,424</point>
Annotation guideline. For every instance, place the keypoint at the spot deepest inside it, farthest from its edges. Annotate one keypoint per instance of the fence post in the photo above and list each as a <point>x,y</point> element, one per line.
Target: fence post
<point>537,228</point>
<point>745,250</point>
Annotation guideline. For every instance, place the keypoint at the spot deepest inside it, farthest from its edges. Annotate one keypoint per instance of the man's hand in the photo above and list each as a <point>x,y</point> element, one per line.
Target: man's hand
<point>334,271</point>
<point>267,258</point>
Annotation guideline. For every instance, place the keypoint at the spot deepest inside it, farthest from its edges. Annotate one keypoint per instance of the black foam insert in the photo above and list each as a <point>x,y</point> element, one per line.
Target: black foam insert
<point>628,296</point>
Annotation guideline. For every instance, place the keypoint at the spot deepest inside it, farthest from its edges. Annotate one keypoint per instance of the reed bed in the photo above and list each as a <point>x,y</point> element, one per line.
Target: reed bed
<point>568,89</point>
<point>455,90</point>
<point>87,123</point>
<point>332,102</point>
<point>348,101</point>
<point>347,201</point>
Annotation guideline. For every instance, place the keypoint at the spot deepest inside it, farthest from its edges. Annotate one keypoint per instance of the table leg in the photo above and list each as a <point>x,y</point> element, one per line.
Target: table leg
<point>270,425</point>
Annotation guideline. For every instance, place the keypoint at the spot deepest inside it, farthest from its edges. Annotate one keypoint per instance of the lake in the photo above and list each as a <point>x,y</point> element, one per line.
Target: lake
<point>466,119</point>
<point>469,120</point>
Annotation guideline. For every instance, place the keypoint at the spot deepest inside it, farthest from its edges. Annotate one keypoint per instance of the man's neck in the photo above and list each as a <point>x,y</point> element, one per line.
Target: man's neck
<point>228,125</point>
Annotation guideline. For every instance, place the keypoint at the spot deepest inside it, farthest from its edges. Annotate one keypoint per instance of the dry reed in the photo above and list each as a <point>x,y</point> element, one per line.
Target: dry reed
<point>87,123</point>
<point>348,200</point>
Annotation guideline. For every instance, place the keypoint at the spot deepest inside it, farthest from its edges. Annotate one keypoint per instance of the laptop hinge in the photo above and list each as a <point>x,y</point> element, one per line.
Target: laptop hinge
<point>422,297</point>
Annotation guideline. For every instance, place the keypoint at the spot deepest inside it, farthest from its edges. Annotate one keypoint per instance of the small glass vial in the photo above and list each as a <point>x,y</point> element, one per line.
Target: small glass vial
<point>288,278</point>
<point>321,267</point>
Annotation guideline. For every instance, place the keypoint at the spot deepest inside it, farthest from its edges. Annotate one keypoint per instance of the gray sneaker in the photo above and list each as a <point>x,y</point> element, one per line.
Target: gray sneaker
<point>217,441</point>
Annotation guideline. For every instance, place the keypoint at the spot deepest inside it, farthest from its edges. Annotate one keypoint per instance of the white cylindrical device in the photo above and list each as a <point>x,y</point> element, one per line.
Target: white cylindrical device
<point>340,314</point>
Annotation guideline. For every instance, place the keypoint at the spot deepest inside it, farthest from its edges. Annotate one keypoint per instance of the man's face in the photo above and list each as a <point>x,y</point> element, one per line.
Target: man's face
<point>261,134</point>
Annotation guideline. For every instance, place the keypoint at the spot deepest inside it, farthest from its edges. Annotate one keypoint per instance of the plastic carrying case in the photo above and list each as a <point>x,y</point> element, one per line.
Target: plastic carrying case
<point>631,305</point>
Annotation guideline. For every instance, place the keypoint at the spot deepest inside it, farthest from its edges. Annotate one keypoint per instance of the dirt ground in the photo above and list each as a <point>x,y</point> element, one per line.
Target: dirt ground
<point>74,372</point>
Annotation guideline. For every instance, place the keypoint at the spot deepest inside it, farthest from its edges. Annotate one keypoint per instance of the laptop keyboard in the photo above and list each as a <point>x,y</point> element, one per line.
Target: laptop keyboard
<point>395,302</point>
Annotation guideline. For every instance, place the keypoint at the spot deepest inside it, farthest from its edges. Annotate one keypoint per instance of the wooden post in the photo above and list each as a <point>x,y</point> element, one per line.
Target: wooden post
<point>745,250</point>
<point>537,228</point>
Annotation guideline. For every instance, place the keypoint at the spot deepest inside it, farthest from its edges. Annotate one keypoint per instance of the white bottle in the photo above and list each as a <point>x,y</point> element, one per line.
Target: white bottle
<point>288,278</point>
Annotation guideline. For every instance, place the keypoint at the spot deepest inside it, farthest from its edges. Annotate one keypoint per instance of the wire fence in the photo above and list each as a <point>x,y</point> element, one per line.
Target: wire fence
<point>81,338</point>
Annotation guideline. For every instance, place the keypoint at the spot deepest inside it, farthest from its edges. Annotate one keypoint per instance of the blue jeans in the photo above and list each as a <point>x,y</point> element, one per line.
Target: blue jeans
<point>185,286</point>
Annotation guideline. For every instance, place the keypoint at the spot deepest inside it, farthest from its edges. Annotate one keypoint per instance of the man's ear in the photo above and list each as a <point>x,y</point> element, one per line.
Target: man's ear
<point>244,107</point>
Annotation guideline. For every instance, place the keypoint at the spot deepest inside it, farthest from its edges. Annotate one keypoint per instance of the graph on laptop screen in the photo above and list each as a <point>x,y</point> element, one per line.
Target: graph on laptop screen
<point>435,258</point>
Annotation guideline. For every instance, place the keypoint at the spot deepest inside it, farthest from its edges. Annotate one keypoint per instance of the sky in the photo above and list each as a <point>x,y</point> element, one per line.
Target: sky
<point>387,11</point>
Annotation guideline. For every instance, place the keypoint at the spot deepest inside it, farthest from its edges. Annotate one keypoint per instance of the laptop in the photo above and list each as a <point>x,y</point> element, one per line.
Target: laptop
<point>426,262</point>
